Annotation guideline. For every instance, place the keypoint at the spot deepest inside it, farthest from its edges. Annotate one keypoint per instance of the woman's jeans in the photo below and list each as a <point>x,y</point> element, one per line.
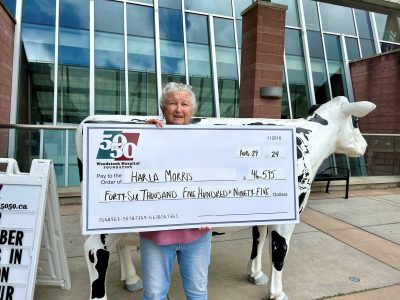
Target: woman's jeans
<point>157,264</point>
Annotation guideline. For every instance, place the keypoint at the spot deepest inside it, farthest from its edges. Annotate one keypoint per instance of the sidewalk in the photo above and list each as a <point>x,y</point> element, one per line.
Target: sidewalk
<point>343,249</point>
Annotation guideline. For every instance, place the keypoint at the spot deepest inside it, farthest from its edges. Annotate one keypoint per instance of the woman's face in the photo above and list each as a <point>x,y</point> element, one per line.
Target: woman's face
<point>178,108</point>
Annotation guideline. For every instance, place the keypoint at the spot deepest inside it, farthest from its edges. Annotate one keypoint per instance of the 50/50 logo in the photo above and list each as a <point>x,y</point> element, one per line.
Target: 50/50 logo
<point>118,145</point>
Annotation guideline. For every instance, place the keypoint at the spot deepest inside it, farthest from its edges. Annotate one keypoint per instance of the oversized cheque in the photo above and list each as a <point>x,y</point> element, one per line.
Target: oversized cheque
<point>142,178</point>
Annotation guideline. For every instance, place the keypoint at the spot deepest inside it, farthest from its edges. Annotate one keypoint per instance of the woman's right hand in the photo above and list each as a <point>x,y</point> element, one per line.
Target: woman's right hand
<point>156,122</point>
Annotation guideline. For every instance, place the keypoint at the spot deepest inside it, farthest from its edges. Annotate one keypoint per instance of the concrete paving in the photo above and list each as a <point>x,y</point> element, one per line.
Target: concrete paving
<point>343,249</point>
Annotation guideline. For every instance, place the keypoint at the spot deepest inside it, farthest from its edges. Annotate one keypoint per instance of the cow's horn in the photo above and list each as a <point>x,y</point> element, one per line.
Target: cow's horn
<point>359,109</point>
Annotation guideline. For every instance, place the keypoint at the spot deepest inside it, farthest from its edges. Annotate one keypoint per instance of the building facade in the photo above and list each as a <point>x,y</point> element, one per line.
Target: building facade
<point>74,58</point>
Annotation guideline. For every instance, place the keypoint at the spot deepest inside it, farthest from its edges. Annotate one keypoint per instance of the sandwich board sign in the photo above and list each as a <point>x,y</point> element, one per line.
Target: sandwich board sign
<point>31,243</point>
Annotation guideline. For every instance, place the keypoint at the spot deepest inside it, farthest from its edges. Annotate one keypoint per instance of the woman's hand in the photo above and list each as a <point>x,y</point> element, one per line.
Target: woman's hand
<point>156,122</point>
<point>205,227</point>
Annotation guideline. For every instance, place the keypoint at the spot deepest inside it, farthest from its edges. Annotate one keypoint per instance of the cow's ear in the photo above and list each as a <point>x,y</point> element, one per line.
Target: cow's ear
<point>358,109</point>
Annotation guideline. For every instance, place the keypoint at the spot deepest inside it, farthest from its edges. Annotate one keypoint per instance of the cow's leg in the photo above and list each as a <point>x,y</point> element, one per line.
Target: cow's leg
<point>133,282</point>
<point>97,253</point>
<point>254,272</point>
<point>279,239</point>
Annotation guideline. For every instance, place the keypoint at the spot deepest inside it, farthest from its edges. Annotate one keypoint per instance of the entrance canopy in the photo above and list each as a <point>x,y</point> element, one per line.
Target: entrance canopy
<point>387,7</point>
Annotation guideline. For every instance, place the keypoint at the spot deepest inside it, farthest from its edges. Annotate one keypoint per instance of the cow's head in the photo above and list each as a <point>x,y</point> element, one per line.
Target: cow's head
<point>349,140</point>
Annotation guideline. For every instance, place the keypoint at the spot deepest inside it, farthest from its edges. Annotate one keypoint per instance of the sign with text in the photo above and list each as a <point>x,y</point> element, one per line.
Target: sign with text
<point>24,198</point>
<point>142,178</point>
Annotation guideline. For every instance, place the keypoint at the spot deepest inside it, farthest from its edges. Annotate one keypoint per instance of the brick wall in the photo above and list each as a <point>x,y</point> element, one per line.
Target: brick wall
<point>7,25</point>
<point>263,38</point>
<point>377,79</point>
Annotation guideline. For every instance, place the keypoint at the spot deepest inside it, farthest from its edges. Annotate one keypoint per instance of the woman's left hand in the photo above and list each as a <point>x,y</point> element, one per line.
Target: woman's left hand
<point>205,227</point>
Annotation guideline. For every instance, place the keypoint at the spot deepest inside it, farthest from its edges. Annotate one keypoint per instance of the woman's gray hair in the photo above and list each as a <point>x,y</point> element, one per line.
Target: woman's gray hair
<point>171,87</point>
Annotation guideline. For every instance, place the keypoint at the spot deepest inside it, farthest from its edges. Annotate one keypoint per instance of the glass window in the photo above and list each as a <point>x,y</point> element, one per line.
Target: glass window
<point>142,85</point>
<point>220,7</point>
<point>311,15</point>
<point>199,63</point>
<point>385,47</point>
<point>293,43</point>
<point>239,33</point>
<point>39,12</point>
<point>338,19</point>
<point>352,48</point>
<point>337,78</point>
<point>171,45</point>
<point>363,24</point>
<point>299,97</point>
<point>292,14</point>
<point>37,84</point>
<point>73,59</point>
<point>332,46</point>
<point>140,20</point>
<point>388,28</point>
<point>224,34</point>
<point>367,47</point>
<point>227,72</point>
<point>109,58</point>
<point>10,4</point>
<point>320,81</point>
<point>196,28</point>
<point>241,5</point>
<point>105,11</point>
<point>315,44</point>
<point>54,149</point>
<point>285,101</point>
<point>176,4</point>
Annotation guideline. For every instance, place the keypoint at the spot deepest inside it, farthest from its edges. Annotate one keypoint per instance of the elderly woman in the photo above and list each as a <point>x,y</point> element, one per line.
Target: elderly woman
<point>191,246</point>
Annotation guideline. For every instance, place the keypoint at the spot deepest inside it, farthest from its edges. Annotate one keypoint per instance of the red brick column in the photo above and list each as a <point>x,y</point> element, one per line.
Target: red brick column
<point>263,37</point>
<point>7,25</point>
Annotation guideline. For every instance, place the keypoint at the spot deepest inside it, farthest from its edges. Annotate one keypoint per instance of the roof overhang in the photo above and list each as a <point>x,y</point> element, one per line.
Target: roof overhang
<point>387,7</point>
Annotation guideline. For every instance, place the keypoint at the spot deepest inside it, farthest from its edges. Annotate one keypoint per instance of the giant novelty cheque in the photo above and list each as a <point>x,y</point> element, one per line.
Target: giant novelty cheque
<point>142,178</point>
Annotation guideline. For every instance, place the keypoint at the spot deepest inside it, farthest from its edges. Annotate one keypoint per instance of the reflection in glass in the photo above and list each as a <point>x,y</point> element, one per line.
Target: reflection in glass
<point>10,4</point>
<point>363,24</point>
<point>296,74</point>
<point>54,149</point>
<point>311,15</point>
<point>220,7</point>
<point>337,78</point>
<point>199,64</point>
<point>73,171</point>
<point>352,48</point>
<point>142,84</point>
<point>285,114</point>
<point>109,58</point>
<point>315,44</point>
<point>367,47</point>
<point>385,47</point>
<point>293,45</point>
<point>388,28</point>
<point>171,46</point>
<point>73,58</point>
<point>228,83</point>
<point>292,14</point>
<point>332,46</point>
<point>320,81</point>
<point>338,19</point>
<point>27,147</point>
<point>176,4</point>
<point>241,5</point>
<point>36,82</point>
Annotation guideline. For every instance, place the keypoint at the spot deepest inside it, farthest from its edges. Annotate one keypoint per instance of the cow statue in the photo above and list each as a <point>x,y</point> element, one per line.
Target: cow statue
<point>327,130</point>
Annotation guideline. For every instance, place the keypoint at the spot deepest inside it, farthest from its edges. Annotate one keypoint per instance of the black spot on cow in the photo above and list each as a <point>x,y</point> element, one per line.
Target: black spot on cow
<point>302,196</point>
<point>91,256</point>
<point>318,119</point>
<point>80,169</point>
<point>299,152</point>
<point>256,236</point>
<point>304,131</point>
<point>279,250</point>
<point>98,286</point>
<point>103,240</point>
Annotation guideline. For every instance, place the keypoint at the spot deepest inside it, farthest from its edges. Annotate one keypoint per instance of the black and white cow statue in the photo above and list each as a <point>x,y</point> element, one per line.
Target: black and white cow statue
<point>328,130</point>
